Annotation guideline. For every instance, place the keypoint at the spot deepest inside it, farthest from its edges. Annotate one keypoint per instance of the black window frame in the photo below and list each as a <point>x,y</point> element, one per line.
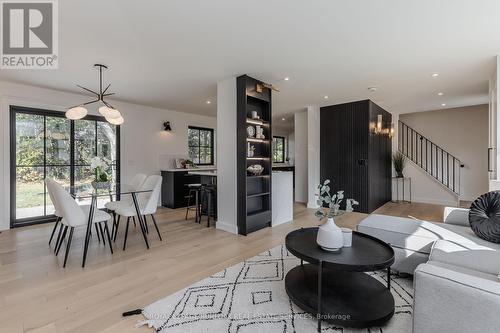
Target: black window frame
<point>14,109</point>
<point>284,148</point>
<point>199,146</point>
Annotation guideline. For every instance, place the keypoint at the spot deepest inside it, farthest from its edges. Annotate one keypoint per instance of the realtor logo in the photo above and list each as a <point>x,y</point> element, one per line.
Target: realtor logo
<point>29,34</point>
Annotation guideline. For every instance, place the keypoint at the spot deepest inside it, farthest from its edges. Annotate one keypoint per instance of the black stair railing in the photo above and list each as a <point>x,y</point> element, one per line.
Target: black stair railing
<point>433,159</point>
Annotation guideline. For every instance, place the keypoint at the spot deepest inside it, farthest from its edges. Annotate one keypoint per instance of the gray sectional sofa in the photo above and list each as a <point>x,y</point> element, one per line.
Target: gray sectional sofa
<point>456,274</point>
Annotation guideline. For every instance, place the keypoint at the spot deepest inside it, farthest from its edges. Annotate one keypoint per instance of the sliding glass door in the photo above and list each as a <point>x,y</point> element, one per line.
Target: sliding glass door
<point>44,144</point>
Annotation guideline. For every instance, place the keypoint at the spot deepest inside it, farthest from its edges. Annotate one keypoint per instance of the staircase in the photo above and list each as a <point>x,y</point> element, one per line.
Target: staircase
<point>431,158</point>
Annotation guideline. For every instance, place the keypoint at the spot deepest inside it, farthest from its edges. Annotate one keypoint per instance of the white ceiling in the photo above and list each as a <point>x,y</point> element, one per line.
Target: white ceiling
<point>170,54</point>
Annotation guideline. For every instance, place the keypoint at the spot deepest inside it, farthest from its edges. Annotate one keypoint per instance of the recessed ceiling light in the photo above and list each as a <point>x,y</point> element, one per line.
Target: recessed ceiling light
<point>209,102</point>
<point>286,78</point>
<point>440,94</point>
<point>372,89</point>
<point>444,104</point>
<point>283,119</point>
<point>325,97</point>
<point>435,74</point>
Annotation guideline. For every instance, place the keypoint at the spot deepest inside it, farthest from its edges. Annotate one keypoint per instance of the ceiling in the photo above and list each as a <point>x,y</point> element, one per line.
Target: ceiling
<point>170,54</point>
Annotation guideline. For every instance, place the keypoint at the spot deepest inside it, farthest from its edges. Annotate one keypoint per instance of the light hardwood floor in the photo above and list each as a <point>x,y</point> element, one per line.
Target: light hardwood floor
<point>38,295</point>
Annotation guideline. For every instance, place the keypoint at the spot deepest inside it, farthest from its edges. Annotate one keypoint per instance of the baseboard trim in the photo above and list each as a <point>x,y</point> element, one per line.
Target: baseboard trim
<point>452,203</point>
<point>312,205</point>
<point>228,227</point>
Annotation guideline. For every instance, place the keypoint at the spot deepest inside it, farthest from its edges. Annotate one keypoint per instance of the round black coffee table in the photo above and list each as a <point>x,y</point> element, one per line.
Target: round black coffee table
<point>334,287</point>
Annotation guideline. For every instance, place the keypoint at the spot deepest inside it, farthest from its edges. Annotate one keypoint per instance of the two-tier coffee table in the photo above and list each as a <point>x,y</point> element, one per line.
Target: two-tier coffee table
<point>334,287</point>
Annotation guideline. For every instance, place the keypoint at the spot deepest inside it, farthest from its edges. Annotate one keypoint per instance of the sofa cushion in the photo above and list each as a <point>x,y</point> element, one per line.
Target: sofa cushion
<point>412,234</point>
<point>485,259</point>
<point>467,236</point>
<point>457,216</point>
<point>484,216</point>
<point>466,273</point>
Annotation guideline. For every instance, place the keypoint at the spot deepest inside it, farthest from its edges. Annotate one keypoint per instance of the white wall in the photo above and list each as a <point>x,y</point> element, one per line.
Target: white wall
<point>143,140</point>
<point>313,155</point>
<point>227,218</point>
<point>494,119</point>
<point>291,147</point>
<point>463,132</point>
<point>301,156</point>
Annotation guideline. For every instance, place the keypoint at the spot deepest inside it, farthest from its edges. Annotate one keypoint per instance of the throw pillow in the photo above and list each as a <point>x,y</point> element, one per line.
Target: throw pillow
<point>484,216</point>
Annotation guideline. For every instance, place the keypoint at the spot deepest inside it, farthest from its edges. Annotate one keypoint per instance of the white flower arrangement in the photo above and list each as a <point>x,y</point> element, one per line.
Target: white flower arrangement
<point>333,202</point>
<point>97,162</point>
<point>99,166</point>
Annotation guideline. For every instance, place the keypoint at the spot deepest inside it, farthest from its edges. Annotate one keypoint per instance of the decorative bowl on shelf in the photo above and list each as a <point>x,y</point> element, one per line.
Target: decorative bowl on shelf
<point>255,169</point>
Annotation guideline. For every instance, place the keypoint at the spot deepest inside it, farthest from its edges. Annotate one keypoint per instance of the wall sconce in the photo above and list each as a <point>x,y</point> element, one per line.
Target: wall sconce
<point>378,125</point>
<point>391,131</point>
<point>167,126</point>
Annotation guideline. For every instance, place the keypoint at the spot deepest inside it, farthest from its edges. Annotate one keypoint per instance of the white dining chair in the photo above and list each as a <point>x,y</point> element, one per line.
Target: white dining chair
<point>147,202</point>
<point>126,199</point>
<point>74,216</point>
<point>57,213</point>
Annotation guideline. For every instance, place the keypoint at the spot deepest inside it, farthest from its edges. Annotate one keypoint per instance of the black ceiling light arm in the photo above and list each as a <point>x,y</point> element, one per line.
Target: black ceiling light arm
<point>102,93</point>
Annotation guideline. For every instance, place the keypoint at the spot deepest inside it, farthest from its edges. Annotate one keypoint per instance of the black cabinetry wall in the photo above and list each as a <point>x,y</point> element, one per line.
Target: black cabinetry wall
<point>354,157</point>
<point>254,191</point>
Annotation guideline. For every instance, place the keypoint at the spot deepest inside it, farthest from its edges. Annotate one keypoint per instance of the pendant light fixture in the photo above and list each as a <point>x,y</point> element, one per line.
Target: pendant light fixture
<point>115,121</point>
<point>109,112</point>
<point>76,112</point>
<point>112,115</point>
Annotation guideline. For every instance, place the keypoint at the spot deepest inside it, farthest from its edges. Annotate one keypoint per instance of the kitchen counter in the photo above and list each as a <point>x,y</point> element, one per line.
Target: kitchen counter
<point>282,197</point>
<point>210,173</point>
<point>282,192</point>
<point>191,169</point>
<point>285,167</point>
<point>174,189</point>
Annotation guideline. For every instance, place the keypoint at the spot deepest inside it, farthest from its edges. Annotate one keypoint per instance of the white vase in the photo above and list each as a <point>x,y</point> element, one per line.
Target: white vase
<point>330,236</point>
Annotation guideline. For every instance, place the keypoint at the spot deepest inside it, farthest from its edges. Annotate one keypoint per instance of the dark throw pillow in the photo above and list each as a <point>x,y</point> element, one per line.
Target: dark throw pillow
<point>484,216</point>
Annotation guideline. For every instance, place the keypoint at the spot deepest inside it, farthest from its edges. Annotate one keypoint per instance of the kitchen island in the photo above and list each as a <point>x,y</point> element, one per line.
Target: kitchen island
<point>174,189</point>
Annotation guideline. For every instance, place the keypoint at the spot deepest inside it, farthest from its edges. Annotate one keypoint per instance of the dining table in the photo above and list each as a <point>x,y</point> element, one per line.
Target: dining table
<point>99,190</point>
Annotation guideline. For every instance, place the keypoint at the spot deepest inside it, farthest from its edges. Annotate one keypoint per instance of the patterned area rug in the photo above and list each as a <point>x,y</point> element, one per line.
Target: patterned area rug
<point>250,297</point>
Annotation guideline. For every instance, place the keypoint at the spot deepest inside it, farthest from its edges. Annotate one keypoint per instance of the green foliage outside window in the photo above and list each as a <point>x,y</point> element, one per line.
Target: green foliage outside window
<point>201,145</point>
<point>43,150</point>
<point>278,149</point>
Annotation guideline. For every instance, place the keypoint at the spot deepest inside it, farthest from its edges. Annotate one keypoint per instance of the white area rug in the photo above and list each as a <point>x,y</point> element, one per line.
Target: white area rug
<point>250,297</point>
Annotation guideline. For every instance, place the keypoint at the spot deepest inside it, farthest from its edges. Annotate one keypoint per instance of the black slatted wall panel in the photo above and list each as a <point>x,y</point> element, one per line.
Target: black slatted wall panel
<point>352,157</point>
<point>379,169</point>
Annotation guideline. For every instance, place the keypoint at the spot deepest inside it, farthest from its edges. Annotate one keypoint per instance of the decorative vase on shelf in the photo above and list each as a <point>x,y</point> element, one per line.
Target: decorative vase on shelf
<point>250,150</point>
<point>330,236</point>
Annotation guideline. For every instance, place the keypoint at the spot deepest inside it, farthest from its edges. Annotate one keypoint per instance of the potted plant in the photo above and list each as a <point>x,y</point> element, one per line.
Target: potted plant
<point>329,234</point>
<point>190,164</point>
<point>399,161</point>
<point>99,166</point>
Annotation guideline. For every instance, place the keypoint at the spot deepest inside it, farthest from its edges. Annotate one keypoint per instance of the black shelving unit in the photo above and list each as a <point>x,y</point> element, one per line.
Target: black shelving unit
<point>254,192</point>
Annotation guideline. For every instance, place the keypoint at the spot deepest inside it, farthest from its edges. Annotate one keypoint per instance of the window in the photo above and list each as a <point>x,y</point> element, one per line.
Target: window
<point>201,145</point>
<point>278,149</point>
<point>44,144</point>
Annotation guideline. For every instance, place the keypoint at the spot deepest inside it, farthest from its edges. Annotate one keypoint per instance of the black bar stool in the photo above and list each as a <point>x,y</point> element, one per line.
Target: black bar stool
<point>194,190</point>
<point>208,202</point>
